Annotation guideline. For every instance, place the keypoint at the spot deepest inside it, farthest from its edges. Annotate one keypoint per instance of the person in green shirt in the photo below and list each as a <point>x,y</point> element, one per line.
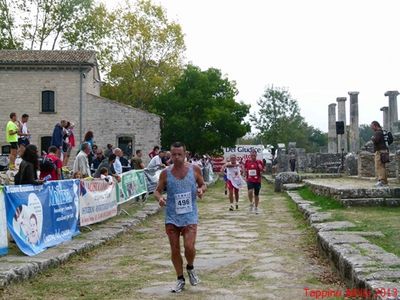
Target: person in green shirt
<point>12,138</point>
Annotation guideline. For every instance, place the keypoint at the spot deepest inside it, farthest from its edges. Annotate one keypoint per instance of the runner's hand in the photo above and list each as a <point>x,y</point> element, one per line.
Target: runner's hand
<point>200,192</point>
<point>162,202</point>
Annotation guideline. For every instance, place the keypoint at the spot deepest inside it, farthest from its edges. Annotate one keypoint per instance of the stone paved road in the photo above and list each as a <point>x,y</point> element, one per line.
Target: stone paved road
<point>240,256</point>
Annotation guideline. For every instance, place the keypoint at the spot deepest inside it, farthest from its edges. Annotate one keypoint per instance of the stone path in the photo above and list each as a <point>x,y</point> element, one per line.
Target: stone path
<point>240,255</point>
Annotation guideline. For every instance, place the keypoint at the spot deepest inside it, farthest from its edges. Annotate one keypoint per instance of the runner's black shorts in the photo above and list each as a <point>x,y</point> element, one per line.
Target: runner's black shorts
<point>254,185</point>
<point>14,145</point>
<point>22,141</point>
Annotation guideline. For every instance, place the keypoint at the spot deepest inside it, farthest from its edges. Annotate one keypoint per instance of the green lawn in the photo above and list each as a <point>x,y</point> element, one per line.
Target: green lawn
<point>383,219</point>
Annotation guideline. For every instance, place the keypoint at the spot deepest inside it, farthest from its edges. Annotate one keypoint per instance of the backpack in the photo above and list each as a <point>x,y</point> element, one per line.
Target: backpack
<point>47,165</point>
<point>388,137</point>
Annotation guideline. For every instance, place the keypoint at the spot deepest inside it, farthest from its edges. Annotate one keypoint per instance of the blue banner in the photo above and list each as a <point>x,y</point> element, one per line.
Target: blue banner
<point>42,216</point>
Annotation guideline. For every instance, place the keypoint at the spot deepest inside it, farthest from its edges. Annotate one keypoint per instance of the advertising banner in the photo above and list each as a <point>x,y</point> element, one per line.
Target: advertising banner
<point>3,225</point>
<point>97,201</point>
<point>133,184</point>
<point>242,152</point>
<point>42,216</point>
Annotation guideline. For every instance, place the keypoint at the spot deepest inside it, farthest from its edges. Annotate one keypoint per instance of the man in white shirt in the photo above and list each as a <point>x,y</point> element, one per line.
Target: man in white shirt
<point>23,134</point>
<point>81,163</point>
<point>117,164</point>
<point>156,161</point>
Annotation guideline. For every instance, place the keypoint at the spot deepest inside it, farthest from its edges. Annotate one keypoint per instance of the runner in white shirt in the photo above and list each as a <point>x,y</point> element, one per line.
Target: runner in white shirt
<point>234,180</point>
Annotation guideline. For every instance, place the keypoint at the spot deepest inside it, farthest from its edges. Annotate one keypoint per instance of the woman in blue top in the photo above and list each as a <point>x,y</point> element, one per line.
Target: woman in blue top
<point>184,183</point>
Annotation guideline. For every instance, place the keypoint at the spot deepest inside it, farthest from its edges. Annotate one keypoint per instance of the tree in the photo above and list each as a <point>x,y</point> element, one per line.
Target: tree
<point>147,54</point>
<point>365,133</point>
<point>39,24</point>
<point>201,111</point>
<point>279,121</point>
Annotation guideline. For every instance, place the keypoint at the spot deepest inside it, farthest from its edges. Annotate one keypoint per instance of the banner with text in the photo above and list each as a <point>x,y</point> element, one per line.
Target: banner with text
<point>3,225</point>
<point>133,184</point>
<point>42,216</point>
<point>97,201</point>
<point>242,152</point>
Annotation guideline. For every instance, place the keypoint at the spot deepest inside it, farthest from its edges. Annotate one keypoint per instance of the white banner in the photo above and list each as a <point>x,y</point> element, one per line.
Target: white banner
<point>3,225</point>
<point>242,152</point>
<point>97,201</point>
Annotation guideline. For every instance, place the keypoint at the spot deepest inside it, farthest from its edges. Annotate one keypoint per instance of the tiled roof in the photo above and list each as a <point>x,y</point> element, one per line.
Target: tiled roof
<point>47,57</point>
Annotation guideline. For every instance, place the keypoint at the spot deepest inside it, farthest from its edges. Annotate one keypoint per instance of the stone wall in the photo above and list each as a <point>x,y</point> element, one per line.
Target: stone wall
<point>110,120</point>
<point>366,165</point>
<point>21,92</point>
<point>323,162</point>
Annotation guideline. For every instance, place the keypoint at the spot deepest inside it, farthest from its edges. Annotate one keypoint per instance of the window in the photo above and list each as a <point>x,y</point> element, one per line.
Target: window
<point>123,142</point>
<point>45,143</point>
<point>5,149</point>
<point>48,101</point>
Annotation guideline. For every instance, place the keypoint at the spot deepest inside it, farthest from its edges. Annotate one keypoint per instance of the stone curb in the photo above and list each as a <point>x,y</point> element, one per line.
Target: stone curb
<point>17,268</point>
<point>361,264</point>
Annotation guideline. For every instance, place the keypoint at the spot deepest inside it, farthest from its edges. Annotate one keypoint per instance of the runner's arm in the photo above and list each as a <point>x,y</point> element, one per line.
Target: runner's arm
<point>201,186</point>
<point>158,193</point>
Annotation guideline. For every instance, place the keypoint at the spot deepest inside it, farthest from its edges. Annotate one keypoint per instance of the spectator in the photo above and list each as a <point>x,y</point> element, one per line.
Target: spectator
<point>125,163</point>
<point>12,138</point>
<point>129,150</point>
<point>380,149</point>
<point>81,162</point>
<point>57,138</point>
<point>292,161</point>
<point>98,159</point>
<point>29,166</point>
<point>117,163</point>
<point>109,150</point>
<point>166,160</point>
<point>154,152</point>
<point>104,175</point>
<point>109,164</point>
<point>56,172</point>
<point>156,161</point>
<point>136,161</point>
<point>69,141</point>
<point>89,138</point>
<point>24,136</point>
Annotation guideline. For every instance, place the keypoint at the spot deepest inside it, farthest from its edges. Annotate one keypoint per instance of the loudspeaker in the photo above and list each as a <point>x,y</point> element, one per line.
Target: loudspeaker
<point>339,127</point>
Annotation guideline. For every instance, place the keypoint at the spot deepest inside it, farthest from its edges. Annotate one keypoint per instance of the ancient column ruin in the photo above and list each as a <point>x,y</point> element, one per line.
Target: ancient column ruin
<point>332,137</point>
<point>385,111</point>
<point>342,138</point>
<point>354,134</point>
<point>393,116</point>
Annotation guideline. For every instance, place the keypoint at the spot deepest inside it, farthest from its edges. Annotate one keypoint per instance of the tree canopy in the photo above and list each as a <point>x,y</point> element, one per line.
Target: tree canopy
<point>201,111</point>
<point>279,121</point>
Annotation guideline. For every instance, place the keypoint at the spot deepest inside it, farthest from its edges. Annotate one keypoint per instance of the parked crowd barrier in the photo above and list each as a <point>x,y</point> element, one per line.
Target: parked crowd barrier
<point>42,216</point>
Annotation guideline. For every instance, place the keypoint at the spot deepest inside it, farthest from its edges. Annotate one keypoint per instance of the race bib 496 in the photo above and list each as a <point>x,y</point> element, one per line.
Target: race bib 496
<point>183,203</point>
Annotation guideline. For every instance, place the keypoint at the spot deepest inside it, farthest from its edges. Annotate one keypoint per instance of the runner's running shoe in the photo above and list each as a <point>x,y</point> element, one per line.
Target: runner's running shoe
<point>180,285</point>
<point>237,205</point>
<point>231,208</point>
<point>251,207</point>
<point>193,278</point>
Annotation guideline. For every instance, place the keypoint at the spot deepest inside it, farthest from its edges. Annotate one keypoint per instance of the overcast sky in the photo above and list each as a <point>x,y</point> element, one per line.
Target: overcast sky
<point>319,50</point>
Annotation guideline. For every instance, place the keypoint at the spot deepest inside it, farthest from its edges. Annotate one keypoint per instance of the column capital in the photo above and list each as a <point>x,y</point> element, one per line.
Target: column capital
<point>384,108</point>
<point>392,93</point>
<point>332,104</point>
<point>340,99</point>
<point>353,93</point>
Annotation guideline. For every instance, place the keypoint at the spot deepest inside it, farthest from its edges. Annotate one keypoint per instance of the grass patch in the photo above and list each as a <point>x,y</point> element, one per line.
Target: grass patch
<point>325,203</point>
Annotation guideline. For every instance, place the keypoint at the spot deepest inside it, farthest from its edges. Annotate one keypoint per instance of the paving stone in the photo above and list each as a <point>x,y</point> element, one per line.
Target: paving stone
<point>319,217</point>
<point>330,226</point>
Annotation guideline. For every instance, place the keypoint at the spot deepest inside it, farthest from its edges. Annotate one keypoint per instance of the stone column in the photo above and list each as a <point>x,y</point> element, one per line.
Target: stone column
<point>354,134</point>
<point>393,116</point>
<point>332,137</point>
<point>342,139</point>
<point>385,110</point>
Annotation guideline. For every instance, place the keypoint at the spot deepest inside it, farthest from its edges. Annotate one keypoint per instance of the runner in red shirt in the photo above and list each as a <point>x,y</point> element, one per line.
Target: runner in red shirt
<point>253,169</point>
<point>56,173</point>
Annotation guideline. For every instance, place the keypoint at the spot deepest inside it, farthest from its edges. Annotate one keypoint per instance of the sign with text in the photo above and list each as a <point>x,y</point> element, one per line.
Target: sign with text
<point>97,201</point>
<point>133,184</point>
<point>242,152</point>
<point>42,216</point>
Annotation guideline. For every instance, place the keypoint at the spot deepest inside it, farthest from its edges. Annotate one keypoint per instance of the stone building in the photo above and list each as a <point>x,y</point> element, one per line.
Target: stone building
<point>55,85</point>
